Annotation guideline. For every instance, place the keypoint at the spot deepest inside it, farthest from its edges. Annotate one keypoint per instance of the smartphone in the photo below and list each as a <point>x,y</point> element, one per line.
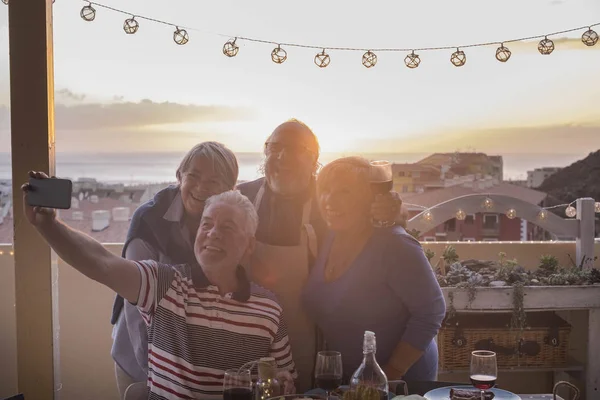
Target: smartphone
<point>50,193</point>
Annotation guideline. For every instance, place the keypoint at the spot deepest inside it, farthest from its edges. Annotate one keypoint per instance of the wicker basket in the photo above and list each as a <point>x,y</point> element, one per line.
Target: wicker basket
<point>543,343</point>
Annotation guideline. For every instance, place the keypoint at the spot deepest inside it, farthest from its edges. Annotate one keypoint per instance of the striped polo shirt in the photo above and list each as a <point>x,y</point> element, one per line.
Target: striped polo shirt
<point>195,334</point>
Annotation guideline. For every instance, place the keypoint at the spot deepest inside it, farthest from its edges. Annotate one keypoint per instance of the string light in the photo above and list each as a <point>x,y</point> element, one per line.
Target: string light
<point>88,13</point>
<point>502,53</point>
<point>589,37</point>
<point>322,59</point>
<point>571,211</point>
<point>412,60</point>
<point>511,214</point>
<point>542,215</point>
<point>458,58</point>
<point>131,26</point>
<point>488,203</point>
<point>369,59</point>
<point>180,36</point>
<point>428,216</point>
<point>278,55</point>
<point>546,46</point>
<point>230,48</point>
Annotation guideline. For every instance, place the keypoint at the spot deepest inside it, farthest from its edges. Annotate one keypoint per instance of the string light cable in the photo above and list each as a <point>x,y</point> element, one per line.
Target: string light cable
<point>322,59</point>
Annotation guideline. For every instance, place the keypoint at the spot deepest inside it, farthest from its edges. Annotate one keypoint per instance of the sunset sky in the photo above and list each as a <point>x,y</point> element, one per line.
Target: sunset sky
<point>145,93</point>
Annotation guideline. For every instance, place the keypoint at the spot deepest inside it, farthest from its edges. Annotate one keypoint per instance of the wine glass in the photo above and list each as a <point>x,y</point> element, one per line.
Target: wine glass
<point>381,182</point>
<point>237,385</point>
<point>484,370</point>
<point>328,371</point>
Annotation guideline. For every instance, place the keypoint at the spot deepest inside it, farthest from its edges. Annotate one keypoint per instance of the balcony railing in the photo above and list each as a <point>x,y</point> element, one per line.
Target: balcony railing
<point>84,308</point>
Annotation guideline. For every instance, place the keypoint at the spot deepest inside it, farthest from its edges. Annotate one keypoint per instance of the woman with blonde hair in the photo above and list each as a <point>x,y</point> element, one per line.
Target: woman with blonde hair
<point>375,279</point>
<point>163,229</point>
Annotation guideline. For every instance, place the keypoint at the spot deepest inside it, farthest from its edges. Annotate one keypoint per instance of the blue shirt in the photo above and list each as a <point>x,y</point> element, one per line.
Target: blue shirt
<point>389,289</point>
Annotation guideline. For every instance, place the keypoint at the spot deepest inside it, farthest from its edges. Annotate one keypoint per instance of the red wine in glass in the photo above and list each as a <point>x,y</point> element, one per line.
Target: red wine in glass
<point>483,382</point>
<point>237,394</point>
<point>237,385</point>
<point>328,382</point>
<point>328,371</point>
<point>484,370</point>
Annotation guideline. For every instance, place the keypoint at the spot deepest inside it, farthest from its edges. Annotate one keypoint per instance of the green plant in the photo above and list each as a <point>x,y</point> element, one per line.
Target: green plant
<point>414,233</point>
<point>501,258</point>
<point>585,259</point>
<point>512,263</point>
<point>519,317</point>
<point>449,255</point>
<point>471,293</point>
<point>549,262</point>
<point>429,254</point>
<point>451,310</point>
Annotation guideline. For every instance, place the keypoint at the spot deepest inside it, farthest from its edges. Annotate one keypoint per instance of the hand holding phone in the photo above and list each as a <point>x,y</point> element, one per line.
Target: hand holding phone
<point>43,194</point>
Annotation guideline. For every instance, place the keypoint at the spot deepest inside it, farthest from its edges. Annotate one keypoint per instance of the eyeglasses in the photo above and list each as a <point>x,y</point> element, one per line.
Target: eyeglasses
<point>294,149</point>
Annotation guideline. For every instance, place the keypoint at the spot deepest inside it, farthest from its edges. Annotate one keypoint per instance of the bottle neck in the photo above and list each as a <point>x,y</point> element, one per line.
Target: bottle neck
<point>369,356</point>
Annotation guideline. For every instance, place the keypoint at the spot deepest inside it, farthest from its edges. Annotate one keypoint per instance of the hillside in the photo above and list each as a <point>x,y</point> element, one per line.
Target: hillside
<point>580,179</point>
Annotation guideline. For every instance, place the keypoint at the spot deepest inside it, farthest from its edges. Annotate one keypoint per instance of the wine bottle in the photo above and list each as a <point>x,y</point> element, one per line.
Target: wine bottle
<point>267,385</point>
<point>369,381</point>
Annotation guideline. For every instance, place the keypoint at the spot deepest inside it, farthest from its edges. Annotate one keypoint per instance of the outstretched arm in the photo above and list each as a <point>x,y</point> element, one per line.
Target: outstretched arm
<point>82,252</point>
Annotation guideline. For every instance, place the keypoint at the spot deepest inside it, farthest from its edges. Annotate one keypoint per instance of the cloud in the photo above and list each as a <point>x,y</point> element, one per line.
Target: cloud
<point>68,95</point>
<point>130,115</point>
<point>556,139</point>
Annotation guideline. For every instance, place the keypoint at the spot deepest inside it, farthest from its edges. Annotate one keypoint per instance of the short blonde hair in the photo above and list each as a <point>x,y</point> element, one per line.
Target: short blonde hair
<point>236,199</point>
<point>357,166</point>
<point>223,160</point>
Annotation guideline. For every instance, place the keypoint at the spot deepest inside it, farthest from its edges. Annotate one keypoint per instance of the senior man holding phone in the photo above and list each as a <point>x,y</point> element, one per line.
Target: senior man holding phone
<point>203,317</point>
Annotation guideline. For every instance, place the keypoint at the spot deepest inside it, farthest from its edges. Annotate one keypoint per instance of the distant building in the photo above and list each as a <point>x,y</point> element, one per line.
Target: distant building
<point>411,178</point>
<point>103,211</point>
<point>518,182</point>
<point>536,177</point>
<point>462,164</point>
<point>442,170</point>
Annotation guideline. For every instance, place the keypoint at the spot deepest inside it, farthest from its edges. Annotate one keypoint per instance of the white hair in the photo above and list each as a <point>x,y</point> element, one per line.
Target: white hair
<point>236,199</point>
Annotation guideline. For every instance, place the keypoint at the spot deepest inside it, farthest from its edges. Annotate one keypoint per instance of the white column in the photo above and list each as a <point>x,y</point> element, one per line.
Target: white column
<point>585,237</point>
<point>592,370</point>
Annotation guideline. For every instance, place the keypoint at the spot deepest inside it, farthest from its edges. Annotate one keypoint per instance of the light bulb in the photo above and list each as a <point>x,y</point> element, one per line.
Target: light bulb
<point>571,212</point>
<point>428,216</point>
<point>488,203</point>
<point>542,215</point>
<point>461,215</point>
<point>597,207</point>
<point>511,214</point>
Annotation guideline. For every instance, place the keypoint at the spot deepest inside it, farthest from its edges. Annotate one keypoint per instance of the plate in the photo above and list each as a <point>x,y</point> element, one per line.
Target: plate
<point>443,393</point>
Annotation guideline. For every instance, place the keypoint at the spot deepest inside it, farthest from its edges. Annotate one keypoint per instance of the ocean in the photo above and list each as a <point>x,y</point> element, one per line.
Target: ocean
<point>137,168</point>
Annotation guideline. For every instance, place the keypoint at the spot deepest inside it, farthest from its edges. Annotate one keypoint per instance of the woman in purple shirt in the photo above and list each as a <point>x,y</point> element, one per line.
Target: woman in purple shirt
<point>375,279</point>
